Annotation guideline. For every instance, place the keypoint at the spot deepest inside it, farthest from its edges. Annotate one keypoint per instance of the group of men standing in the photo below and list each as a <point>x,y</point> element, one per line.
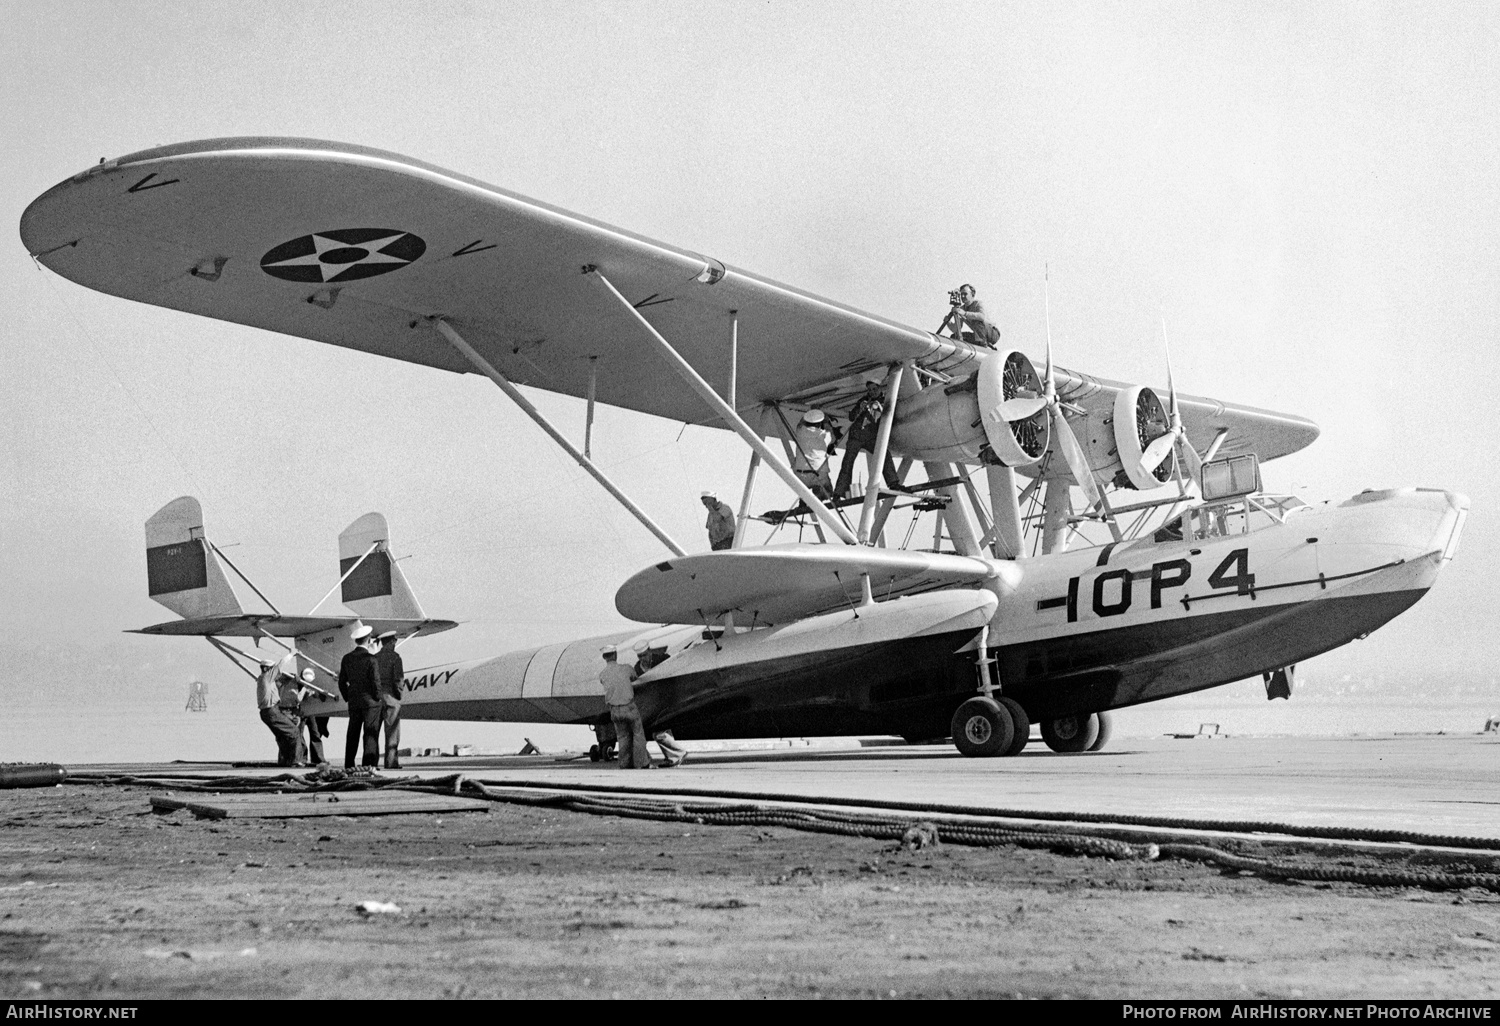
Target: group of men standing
<point>370,681</point>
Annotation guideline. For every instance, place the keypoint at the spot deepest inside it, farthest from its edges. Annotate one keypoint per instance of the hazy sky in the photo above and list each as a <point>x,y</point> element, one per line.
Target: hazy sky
<point>1307,190</point>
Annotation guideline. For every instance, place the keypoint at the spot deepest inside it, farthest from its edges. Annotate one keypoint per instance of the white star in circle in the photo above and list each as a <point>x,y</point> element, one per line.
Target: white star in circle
<point>323,244</point>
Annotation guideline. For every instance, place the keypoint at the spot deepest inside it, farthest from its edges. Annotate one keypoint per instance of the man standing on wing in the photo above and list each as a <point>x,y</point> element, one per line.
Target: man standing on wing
<point>720,522</point>
<point>864,426</point>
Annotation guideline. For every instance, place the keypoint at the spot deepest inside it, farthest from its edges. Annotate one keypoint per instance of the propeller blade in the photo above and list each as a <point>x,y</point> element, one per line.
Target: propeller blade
<point>1160,448</point>
<point>1190,456</point>
<point>1171,388</point>
<point>1047,308</point>
<point>1073,455</point>
<point>1022,407</point>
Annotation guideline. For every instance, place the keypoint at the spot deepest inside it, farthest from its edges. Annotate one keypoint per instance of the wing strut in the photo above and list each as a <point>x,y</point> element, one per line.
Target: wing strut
<point>882,447</point>
<point>488,370</point>
<point>706,392</point>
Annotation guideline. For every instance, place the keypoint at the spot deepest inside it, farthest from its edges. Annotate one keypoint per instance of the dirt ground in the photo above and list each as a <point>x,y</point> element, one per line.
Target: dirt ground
<point>103,898</point>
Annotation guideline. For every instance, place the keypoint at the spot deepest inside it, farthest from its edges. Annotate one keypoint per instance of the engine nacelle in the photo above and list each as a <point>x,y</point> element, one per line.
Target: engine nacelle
<point>963,422</point>
<point>1140,419</point>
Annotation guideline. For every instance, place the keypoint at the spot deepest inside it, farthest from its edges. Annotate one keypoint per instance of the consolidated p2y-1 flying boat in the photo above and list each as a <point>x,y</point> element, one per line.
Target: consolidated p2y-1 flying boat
<point>1007,620</point>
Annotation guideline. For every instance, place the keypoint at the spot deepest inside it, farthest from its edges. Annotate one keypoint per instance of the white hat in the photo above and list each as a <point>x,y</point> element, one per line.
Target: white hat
<point>387,634</point>
<point>813,417</point>
<point>708,495</point>
<point>640,646</point>
<point>362,631</point>
<point>609,650</point>
<point>308,675</point>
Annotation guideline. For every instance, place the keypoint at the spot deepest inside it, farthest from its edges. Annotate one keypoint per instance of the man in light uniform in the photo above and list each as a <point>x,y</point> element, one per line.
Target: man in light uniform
<point>286,728</point>
<point>812,444</point>
<point>619,695</point>
<point>720,522</point>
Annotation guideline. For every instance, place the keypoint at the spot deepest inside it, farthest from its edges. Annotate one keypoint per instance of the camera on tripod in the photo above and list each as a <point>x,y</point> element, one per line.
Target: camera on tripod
<point>955,297</point>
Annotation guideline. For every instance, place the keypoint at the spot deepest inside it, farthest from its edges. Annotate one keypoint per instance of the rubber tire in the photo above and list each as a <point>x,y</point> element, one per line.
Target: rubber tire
<point>981,728</point>
<point>593,753</point>
<point>1070,734</point>
<point>1103,738</point>
<point>1020,726</point>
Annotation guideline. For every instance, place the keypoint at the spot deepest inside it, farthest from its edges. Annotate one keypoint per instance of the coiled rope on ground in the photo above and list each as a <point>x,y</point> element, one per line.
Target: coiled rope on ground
<point>967,825</point>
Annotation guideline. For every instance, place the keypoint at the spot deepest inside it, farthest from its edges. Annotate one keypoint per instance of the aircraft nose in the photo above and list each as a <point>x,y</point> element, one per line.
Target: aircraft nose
<point>1411,521</point>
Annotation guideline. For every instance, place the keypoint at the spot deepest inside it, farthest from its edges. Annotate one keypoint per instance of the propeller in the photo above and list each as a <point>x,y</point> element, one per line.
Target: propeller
<point>1175,438</point>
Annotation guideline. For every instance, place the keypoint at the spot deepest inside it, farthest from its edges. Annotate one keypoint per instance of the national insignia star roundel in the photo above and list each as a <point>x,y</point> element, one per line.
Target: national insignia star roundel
<point>346,254</point>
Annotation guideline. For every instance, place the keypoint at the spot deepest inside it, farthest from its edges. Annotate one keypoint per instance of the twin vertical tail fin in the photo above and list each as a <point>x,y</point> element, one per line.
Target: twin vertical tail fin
<point>183,571</point>
<point>373,585</point>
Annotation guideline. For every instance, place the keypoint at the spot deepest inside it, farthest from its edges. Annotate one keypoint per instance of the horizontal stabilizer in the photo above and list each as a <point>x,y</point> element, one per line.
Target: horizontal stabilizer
<point>373,584</point>
<point>254,625</point>
<point>182,569</point>
<point>780,583</point>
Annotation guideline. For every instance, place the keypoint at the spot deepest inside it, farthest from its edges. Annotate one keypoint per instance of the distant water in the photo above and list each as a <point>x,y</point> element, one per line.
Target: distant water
<point>156,729</point>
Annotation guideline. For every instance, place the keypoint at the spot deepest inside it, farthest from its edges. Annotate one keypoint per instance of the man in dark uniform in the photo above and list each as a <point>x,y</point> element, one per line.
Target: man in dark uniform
<point>357,687</point>
<point>864,426</point>
<point>388,674</point>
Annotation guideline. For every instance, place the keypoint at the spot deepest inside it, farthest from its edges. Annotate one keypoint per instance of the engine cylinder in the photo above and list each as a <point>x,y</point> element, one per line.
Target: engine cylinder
<point>1140,419</point>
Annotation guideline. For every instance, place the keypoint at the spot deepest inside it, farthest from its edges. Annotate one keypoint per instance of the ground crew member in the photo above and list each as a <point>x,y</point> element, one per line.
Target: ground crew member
<point>648,656</point>
<point>317,726</point>
<point>292,692</point>
<point>720,522</point>
<point>388,674</point>
<point>357,687</point>
<point>268,698</point>
<point>619,695</point>
<point>967,318</point>
<point>864,426</point>
<point>813,444</point>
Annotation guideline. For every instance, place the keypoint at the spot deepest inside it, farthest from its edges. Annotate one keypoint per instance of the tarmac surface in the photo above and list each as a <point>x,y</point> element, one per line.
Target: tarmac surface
<point>1429,783</point>
<point>107,894</point>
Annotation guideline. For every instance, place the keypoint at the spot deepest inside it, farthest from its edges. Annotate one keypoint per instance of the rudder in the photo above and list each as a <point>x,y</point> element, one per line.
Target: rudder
<point>376,589</point>
<point>182,570</point>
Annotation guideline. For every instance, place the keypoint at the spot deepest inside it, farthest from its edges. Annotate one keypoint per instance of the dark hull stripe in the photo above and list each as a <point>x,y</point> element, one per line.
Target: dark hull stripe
<point>911,687</point>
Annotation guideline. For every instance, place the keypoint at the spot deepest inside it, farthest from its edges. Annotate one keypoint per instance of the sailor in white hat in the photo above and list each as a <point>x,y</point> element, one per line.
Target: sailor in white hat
<point>814,440</point>
<point>720,522</point>
<point>357,687</point>
<point>317,726</point>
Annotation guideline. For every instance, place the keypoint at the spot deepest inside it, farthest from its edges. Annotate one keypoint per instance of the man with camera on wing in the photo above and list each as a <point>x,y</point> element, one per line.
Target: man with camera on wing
<point>967,319</point>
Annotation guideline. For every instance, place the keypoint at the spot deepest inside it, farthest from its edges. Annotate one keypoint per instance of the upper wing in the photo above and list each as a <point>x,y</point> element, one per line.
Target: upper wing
<point>356,247</point>
<point>255,217</point>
